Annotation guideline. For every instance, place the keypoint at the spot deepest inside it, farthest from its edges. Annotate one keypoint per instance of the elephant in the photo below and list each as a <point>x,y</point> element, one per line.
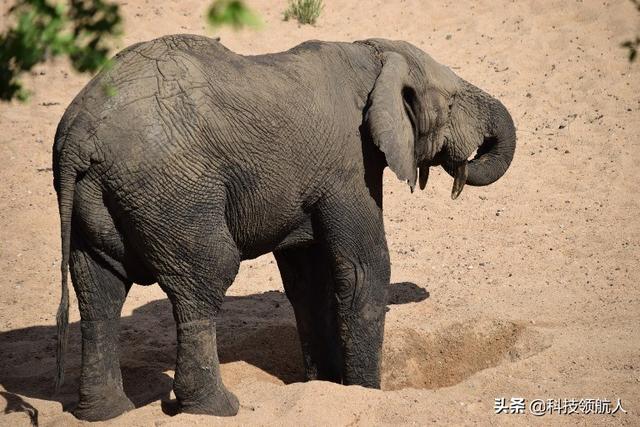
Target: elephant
<point>183,159</point>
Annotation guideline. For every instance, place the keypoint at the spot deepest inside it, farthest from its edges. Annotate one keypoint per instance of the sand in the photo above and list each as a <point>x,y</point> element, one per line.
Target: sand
<point>527,288</point>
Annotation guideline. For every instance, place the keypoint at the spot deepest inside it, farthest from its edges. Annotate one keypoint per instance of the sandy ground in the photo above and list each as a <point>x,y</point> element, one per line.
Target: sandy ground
<point>527,288</point>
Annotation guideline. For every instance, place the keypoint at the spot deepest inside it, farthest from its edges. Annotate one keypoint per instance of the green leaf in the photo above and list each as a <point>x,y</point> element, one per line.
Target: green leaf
<point>233,13</point>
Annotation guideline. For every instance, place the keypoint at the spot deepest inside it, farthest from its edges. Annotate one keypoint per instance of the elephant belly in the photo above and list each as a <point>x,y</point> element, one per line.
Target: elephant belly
<point>299,236</point>
<point>258,230</point>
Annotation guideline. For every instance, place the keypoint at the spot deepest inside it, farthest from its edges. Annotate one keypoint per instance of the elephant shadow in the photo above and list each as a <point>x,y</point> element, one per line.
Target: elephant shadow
<point>257,329</point>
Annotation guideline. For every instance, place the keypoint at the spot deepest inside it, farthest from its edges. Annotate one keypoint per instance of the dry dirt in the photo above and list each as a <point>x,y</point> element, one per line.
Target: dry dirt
<point>527,288</point>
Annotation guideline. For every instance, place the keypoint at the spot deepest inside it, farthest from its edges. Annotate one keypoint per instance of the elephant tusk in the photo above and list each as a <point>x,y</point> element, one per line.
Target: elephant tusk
<point>423,176</point>
<point>459,179</point>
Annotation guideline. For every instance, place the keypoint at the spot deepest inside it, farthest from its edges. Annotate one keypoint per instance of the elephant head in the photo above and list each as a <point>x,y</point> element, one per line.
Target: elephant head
<point>421,114</point>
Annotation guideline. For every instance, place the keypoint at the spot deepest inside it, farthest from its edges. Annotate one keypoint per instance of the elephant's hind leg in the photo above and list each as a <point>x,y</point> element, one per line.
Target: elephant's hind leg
<point>307,279</point>
<point>101,293</point>
<point>196,297</point>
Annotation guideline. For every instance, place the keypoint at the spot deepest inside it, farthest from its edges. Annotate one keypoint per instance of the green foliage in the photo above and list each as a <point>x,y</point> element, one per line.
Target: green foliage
<point>305,11</point>
<point>232,12</point>
<point>44,30</point>
<point>633,45</point>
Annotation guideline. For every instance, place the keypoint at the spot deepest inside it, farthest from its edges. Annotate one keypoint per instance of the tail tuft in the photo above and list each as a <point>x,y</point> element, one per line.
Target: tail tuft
<point>62,323</point>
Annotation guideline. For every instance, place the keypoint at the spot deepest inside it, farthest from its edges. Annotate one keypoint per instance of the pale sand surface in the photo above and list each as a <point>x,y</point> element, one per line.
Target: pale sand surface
<point>527,288</point>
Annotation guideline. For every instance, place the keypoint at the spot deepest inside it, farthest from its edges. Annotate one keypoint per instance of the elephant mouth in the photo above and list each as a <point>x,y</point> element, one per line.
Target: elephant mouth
<point>459,169</point>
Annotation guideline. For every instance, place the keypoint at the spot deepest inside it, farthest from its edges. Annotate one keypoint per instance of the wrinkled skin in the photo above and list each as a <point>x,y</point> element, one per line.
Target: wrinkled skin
<point>204,158</point>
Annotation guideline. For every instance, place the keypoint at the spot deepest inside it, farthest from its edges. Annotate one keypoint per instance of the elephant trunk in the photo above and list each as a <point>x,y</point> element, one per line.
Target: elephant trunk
<point>495,153</point>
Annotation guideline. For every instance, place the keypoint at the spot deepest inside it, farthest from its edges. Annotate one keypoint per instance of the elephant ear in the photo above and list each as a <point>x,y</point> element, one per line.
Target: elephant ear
<point>388,118</point>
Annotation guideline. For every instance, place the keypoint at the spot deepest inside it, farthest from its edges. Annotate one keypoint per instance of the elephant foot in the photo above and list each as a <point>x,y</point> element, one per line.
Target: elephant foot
<point>197,383</point>
<point>222,403</point>
<point>106,406</point>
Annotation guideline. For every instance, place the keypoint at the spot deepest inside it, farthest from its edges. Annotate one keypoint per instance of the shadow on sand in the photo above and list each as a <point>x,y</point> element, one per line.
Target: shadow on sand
<point>258,329</point>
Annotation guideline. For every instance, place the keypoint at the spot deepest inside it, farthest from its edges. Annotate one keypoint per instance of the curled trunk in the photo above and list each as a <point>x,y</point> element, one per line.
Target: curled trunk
<point>494,154</point>
<point>496,151</point>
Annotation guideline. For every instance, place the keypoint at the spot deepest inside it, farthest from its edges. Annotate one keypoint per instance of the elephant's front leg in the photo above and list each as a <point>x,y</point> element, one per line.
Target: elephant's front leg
<point>354,233</point>
<point>360,290</point>
<point>101,294</point>
<point>308,283</point>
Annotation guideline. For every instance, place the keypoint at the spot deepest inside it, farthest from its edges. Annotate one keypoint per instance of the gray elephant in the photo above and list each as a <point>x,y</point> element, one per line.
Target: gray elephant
<point>203,158</point>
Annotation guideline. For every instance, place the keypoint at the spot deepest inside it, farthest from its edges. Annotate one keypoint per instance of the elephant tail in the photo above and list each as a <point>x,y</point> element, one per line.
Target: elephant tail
<point>66,188</point>
<point>70,159</point>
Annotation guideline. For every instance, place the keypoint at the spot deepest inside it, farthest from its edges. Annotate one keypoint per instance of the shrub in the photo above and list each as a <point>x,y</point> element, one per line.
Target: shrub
<point>305,11</point>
